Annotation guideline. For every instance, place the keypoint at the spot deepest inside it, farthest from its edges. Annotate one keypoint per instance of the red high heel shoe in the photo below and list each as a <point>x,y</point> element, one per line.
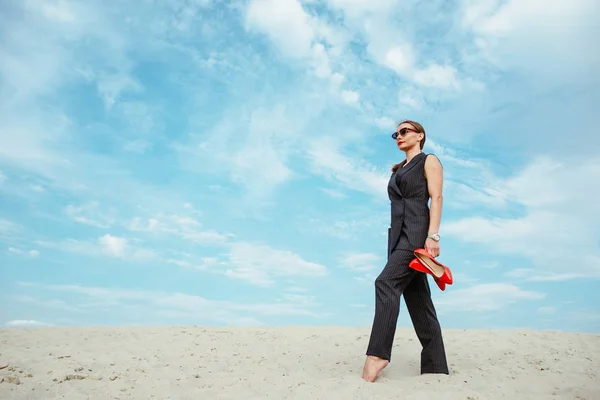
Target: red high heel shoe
<point>427,264</point>
<point>416,264</point>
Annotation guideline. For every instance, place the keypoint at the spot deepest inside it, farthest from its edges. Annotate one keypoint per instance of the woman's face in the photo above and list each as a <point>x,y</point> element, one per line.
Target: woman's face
<point>407,137</point>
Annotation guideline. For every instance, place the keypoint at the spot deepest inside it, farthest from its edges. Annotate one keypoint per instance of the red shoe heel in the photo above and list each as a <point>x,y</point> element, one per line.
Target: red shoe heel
<point>416,264</point>
<point>434,267</point>
<point>429,265</point>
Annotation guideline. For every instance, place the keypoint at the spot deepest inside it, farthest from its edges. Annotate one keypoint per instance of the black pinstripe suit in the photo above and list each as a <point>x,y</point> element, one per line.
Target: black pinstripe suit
<point>409,198</point>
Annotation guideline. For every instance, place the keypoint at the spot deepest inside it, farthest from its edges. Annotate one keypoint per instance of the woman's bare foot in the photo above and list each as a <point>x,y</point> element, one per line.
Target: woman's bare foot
<point>372,368</point>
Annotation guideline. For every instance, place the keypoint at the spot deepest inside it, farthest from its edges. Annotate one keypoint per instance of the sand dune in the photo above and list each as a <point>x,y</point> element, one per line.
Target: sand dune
<point>288,363</point>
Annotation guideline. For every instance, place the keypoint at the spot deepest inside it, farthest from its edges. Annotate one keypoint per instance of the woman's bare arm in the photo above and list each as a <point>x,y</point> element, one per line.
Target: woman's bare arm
<point>435,179</point>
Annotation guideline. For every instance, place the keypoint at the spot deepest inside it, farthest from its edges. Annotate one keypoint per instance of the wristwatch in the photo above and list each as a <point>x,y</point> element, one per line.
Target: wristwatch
<point>434,236</point>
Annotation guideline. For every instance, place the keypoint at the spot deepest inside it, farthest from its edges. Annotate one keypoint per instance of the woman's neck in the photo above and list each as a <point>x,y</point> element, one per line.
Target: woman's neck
<point>411,153</point>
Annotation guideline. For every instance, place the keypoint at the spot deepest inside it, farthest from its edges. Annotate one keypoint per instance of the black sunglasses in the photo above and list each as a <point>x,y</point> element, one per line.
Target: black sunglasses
<point>402,132</point>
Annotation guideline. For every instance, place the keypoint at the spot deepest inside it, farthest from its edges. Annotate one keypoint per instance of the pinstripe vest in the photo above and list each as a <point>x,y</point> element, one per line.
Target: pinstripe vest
<point>409,197</point>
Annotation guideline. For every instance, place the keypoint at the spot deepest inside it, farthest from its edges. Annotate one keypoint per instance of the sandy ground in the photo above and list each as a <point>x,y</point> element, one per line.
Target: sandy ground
<point>288,363</point>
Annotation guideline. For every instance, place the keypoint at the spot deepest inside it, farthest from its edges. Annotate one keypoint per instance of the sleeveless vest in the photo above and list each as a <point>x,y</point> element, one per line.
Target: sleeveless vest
<point>409,197</point>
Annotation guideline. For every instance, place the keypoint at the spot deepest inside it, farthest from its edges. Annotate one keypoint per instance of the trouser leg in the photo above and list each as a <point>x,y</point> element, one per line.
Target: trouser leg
<point>417,296</point>
<point>389,285</point>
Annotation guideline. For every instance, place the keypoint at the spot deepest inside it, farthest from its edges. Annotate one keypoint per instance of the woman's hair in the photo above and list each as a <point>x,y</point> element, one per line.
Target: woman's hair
<point>419,128</point>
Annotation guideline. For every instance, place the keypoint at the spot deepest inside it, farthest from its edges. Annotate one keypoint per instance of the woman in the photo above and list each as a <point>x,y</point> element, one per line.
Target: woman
<point>414,225</point>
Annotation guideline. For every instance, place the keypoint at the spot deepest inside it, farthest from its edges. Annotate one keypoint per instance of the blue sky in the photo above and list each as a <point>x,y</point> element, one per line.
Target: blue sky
<point>217,162</point>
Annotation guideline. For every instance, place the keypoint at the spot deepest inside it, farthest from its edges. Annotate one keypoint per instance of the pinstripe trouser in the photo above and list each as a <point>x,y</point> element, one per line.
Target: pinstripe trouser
<point>398,279</point>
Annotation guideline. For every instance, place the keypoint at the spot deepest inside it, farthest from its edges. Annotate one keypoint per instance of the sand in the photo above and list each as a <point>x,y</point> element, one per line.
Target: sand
<point>288,363</point>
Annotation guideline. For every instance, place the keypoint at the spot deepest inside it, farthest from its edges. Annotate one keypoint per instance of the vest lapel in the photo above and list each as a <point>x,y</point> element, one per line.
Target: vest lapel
<point>394,182</point>
<point>404,170</point>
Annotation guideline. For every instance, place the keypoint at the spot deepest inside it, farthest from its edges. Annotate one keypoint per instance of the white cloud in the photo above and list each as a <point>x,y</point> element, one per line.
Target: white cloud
<point>358,8</point>
<point>532,275</point>
<point>461,196</point>
<point>350,97</point>
<point>204,264</point>
<point>139,146</point>
<point>295,33</point>
<point>106,245</point>
<point>258,159</point>
<point>300,299</point>
<point>468,181</point>
<point>266,160</point>
<point>26,253</point>
<point>113,245</point>
<point>367,265</point>
<point>326,159</point>
<point>40,53</point>
<point>182,226</point>
<point>333,193</point>
<point>446,154</point>
<point>547,183</point>
<point>27,142</point>
<point>437,76</point>
<point>9,231</point>
<point>361,262</point>
<point>322,65</point>
<point>285,22</point>
<point>266,148</point>
<point>112,86</point>
<point>7,226</point>
<point>297,289</point>
<point>182,306</point>
<point>142,118</point>
<point>385,123</point>
<point>43,49</point>
<point>254,276</point>
<point>366,279</point>
<point>58,11</point>
<point>411,99</point>
<point>485,297</point>
<point>91,214</point>
<point>56,24</point>
<point>392,47</point>
<point>528,34</point>
<point>260,264</point>
<point>557,220</point>
<point>547,310</point>
<point>349,229</point>
<point>399,58</point>
<point>301,36</point>
<point>26,323</point>
<point>49,304</point>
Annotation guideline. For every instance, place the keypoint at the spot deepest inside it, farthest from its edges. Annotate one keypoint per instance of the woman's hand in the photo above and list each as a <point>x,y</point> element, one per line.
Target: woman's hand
<point>432,247</point>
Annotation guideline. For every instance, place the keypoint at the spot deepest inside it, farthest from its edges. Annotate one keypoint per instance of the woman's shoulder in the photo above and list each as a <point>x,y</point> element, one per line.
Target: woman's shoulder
<point>432,160</point>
